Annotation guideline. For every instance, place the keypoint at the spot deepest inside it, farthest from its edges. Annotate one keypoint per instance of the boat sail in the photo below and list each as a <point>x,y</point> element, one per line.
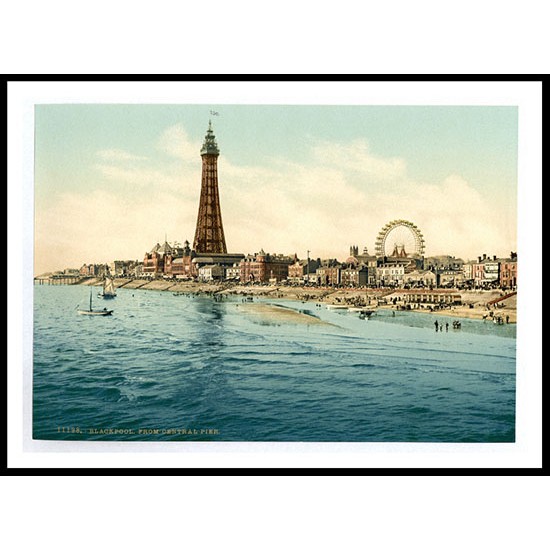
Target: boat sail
<point>92,311</point>
<point>108,288</point>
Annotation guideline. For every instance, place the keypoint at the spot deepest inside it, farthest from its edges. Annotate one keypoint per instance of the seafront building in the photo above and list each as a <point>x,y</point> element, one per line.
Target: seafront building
<point>264,267</point>
<point>509,272</point>
<point>449,277</point>
<point>485,272</point>
<point>233,272</point>
<point>443,262</point>
<point>154,262</point>
<point>361,268</point>
<point>181,262</point>
<point>329,273</point>
<point>420,279</point>
<point>434,296</point>
<point>492,272</point>
<point>208,273</point>
<point>354,275</point>
<point>300,271</point>
<point>391,274</point>
<point>468,271</point>
<point>358,270</point>
<point>91,270</point>
<point>122,268</point>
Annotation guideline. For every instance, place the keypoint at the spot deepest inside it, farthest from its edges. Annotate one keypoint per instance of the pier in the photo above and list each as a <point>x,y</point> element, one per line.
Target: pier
<point>61,279</point>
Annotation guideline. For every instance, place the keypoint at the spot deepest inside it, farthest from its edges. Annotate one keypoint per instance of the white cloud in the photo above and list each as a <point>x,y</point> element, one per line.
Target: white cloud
<point>114,155</point>
<point>356,156</point>
<point>173,177</point>
<point>175,141</point>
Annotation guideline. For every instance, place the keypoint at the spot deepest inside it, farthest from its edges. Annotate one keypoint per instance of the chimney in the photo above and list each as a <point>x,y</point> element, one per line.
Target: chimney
<point>494,258</point>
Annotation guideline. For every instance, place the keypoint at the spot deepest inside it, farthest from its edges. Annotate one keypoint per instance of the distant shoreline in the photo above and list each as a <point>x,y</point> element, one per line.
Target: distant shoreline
<point>474,303</point>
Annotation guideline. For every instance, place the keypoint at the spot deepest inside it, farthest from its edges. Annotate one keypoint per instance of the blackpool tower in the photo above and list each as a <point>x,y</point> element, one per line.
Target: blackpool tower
<point>209,236</point>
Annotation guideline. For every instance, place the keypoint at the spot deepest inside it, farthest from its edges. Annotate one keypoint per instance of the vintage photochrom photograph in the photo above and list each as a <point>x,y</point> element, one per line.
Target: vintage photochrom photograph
<point>275,272</point>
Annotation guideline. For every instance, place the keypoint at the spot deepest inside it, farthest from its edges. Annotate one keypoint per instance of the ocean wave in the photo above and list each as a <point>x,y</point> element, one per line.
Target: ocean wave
<point>161,364</point>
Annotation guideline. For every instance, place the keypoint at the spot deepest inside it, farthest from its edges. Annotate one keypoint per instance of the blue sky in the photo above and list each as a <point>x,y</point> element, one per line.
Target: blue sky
<point>111,180</point>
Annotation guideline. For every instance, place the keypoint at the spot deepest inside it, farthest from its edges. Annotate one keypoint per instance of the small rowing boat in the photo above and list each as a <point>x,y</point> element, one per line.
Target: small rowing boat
<point>92,311</point>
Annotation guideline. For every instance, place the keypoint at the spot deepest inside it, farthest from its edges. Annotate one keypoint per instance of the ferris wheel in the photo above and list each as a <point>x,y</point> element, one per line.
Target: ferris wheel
<point>400,238</point>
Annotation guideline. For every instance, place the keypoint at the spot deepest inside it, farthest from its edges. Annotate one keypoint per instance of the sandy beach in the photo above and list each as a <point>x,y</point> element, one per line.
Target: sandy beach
<point>475,313</point>
<point>474,303</point>
<point>271,314</point>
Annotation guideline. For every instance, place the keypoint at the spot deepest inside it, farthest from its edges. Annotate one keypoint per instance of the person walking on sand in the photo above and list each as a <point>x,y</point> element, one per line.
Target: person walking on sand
<point>446,327</point>
<point>436,325</point>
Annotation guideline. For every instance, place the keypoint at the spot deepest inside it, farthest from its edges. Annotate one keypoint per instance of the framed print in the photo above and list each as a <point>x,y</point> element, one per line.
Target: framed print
<point>321,273</point>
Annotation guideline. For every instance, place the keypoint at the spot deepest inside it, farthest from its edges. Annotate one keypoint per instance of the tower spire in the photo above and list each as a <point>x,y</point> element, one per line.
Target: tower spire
<point>210,147</point>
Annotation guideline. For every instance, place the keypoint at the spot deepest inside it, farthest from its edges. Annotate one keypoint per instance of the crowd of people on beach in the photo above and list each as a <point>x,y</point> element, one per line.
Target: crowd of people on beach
<point>497,319</point>
<point>439,326</point>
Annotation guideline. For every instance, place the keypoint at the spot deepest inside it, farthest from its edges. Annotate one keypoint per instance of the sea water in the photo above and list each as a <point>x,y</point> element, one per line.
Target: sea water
<point>190,368</point>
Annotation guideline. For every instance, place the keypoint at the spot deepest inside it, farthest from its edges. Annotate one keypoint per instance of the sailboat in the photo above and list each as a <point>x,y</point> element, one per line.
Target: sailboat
<point>92,311</point>
<point>108,288</point>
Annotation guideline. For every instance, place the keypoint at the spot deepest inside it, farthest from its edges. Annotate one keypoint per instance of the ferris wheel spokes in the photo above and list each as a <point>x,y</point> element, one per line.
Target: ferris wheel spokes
<point>402,237</point>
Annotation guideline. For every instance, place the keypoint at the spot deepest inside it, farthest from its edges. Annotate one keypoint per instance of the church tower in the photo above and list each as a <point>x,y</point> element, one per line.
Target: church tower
<point>209,236</point>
